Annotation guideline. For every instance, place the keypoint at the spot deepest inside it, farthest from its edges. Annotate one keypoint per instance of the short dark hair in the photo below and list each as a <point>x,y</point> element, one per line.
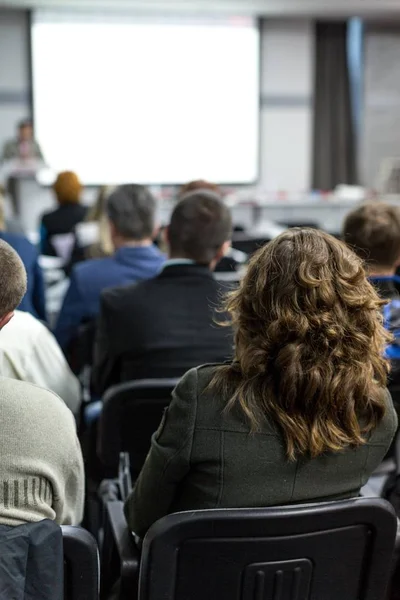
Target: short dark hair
<point>199,185</point>
<point>13,278</point>
<point>25,123</point>
<point>200,224</point>
<point>132,210</point>
<point>373,232</point>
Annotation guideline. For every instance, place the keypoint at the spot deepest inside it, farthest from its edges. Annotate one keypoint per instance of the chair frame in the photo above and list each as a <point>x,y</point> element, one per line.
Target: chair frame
<point>81,556</point>
<point>135,565</point>
<point>110,421</point>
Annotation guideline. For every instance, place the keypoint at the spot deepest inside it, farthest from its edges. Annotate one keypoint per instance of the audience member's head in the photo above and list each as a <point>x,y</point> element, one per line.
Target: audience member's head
<point>67,188</point>
<point>132,213</point>
<point>13,278</point>
<point>309,344</point>
<point>200,229</point>
<point>199,185</point>
<point>373,232</point>
<point>25,130</point>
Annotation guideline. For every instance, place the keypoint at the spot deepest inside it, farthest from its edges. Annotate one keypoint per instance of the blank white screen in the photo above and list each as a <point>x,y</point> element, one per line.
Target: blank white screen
<point>123,100</point>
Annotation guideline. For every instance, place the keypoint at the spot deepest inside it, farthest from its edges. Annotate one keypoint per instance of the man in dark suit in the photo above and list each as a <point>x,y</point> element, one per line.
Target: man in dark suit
<point>164,326</point>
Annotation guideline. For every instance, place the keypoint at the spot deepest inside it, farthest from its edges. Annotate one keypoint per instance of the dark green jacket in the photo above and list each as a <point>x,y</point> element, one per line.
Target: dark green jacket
<point>202,457</point>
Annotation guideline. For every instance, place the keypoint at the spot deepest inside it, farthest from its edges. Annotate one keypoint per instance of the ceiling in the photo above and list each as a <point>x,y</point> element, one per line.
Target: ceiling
<point>282,8</point>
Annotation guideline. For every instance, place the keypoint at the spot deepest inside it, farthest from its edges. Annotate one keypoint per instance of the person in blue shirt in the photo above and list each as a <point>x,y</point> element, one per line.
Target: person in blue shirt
<point>373,231</point>
<point>131,211</point>
<point>34,300</point>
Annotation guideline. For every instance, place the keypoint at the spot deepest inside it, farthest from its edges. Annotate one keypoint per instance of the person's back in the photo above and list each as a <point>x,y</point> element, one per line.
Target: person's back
<point>161,327</point>
<point>41,471</point>
<point>222,465</point>
<point>301,414</point>
<point>63,219</point>
<point>29,352</point>
<point>34,300</point>
<point>57,227</point>
<point>131,212</point>
<point>166,325</point>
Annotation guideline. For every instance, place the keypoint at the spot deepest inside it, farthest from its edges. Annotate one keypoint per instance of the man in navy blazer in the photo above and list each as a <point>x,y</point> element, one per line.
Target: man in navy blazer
<point>34,300</point>
<point>131,211</point>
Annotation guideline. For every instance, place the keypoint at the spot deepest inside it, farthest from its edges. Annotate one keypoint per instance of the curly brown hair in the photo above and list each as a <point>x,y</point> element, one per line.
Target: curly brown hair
<point>309,344</point>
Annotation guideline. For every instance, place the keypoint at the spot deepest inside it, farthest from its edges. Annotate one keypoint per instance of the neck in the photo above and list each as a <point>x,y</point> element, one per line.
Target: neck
<point>172,256</point>
<point>124,243</point>
<point>381,272</point>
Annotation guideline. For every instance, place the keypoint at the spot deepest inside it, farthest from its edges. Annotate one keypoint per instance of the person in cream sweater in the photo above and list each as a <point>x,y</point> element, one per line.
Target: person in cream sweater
<point>41,466</point>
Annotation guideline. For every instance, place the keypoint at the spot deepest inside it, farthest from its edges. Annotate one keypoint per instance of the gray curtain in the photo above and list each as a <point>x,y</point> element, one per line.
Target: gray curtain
<point>334,148</point>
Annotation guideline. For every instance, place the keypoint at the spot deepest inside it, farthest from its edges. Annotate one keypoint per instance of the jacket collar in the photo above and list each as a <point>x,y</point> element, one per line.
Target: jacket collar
<point>128,253</point>
<point>182,270</point>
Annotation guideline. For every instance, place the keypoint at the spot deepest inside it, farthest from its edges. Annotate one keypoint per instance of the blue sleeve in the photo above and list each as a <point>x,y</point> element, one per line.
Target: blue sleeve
<point>43,238</point>
<point>72,314</point>
<point>38,296</point>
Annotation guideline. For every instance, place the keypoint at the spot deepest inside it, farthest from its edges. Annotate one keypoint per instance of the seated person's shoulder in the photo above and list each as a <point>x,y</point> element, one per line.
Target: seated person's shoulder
<point>388,425</point>
<point>31,399</point>
<point>92,267</point>
<point>18,241</point>
<point>23,329</point>
<point>198,381</point>
<point>392,310</point>
<point>124,295</point>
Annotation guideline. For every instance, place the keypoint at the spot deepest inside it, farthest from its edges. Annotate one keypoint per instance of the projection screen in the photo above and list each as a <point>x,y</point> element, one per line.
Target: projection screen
<point>155,101</point>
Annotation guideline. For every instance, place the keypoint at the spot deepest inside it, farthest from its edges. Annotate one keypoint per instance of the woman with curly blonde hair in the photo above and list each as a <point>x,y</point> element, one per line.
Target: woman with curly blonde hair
<point>301,414</point>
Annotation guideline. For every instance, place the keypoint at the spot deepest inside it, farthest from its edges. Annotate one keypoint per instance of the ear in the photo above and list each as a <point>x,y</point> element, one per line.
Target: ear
<point>165,234</point>
<point>156,231</point>
<point>6,319</point>
<point>111,226</point>
<point>223,250</point>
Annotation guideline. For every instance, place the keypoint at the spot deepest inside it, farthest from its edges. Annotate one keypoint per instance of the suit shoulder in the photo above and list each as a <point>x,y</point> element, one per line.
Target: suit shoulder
<point>127,294</point>
<point>92,265</point>
<point>200,377</point>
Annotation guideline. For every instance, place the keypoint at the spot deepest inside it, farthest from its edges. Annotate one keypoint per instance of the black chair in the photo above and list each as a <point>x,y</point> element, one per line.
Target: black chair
<point>81,564</point>
<point>42,560</point>
<point>249,242</point>
<point>131,413</point>
<point>331,551</point>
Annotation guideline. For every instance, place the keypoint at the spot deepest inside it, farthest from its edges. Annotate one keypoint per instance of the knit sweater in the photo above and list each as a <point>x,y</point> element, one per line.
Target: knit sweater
<point>41,467</point>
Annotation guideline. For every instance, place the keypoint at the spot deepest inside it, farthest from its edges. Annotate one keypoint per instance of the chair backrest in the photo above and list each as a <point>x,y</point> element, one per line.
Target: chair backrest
<point>43,560</point>
<point>248,242</point>
<point>131,413</point>
<point>331,551</point>
<point>80,350</point>
<point>81,564</point>
<point>31,559</point>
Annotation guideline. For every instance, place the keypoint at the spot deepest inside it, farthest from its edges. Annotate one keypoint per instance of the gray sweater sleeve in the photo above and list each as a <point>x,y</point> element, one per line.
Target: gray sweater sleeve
<point>168,460</point>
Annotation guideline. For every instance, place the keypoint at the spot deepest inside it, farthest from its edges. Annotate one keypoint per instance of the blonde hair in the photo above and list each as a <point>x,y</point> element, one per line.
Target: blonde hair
<point>309,344</point>
<point>98,213</point>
